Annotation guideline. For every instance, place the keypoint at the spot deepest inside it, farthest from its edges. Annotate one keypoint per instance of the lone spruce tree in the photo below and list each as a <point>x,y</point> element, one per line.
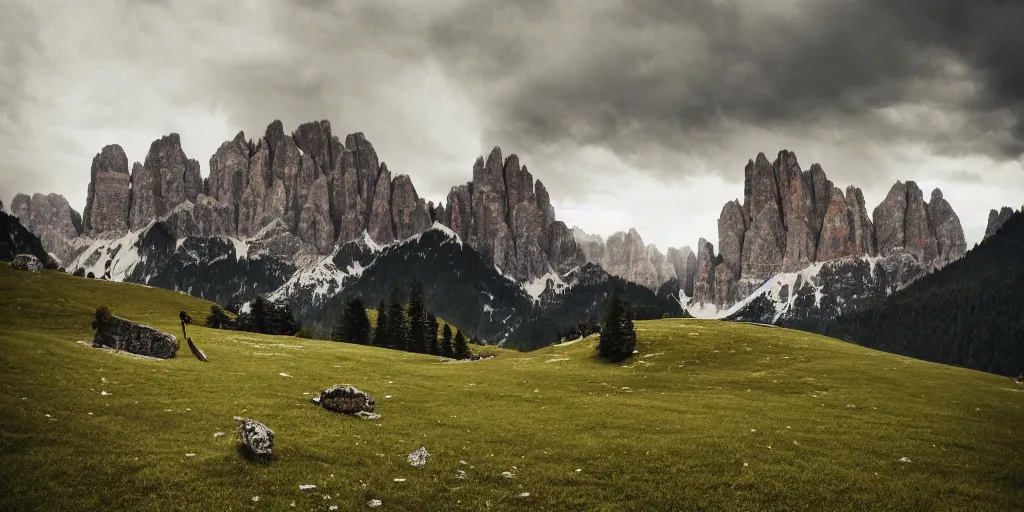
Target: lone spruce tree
<point>398,325</point>
<point>446,342</point>
<point>357,323</point>
<point>417,320</point>
<point>380,334</point>
<point>618,337</point>
<point>431,338</point>
<point>460,347</point>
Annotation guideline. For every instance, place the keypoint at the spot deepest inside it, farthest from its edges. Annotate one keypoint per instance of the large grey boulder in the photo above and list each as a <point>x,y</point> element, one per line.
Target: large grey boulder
<point>256,437</point>
<point>120,334</point>
<point>26,262</point>
<point>345,399</point>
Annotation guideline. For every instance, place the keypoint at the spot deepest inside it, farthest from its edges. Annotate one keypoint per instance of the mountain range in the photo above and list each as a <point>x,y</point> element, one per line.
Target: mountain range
<point>312,219</point>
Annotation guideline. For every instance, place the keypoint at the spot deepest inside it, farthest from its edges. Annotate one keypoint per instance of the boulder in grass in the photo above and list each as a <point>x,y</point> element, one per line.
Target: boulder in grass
<point>26,262</point>
<point>346,400</point>
<point>256,437</point>
<point>120,334</point>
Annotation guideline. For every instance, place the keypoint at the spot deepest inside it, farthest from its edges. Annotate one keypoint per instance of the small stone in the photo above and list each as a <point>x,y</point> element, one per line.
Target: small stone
<point>419,457</point>
<point>373,503</point>
<point>255,499</point>
<point>523,495</point>
<point>284,374</point>
<point>216,435</point>
<point>579,470</point>
<point>904,460</point>
<point>307,487</point>
<point>332,507</point>
<point>256,437</point>
<point>190,455</point>
<point>104,393</point>
<point>507,474</point>
<point>399,479</point>
<point>460,474</point>
<point>367,415</point>
<point>346,399</point>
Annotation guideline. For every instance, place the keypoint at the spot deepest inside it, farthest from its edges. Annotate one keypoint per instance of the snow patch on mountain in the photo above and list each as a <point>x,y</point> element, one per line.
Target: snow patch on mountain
<point>111,258</point>
<point>318,281</point>
<point>772,289</point>
<point>536,287</point>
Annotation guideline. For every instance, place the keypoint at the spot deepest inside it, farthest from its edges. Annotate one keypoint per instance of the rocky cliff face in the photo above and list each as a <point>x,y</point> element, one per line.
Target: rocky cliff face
<point>507,216</point>
<point>109,196</point>
<point>996,219</point>
<point>51,218</point>
<point>308,192</point>
<point>624,255</point>
<point>790,219</point>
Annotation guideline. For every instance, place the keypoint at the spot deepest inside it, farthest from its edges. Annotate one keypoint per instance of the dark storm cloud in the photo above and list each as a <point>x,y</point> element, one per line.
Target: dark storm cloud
<point>667,75</point>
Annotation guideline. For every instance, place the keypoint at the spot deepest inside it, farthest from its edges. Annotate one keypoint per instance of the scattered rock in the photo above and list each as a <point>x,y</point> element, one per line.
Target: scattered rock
<point>523,495</point>
<point>218,435</point>
<point>308,487</point>
<point>256,437</point>
<point>460,474</point>
<point>367,415</point>
<point>904,460</point>
<point>346,400</point>
<point>419,457</point>
<point>507,474</point>
<point>373,503</point>
<point>26,262</point>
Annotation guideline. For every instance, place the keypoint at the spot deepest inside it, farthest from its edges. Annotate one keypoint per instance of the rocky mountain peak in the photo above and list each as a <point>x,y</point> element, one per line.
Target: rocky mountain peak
<point>996,219</point>
<point>790,219</point>
<point>108,197</point>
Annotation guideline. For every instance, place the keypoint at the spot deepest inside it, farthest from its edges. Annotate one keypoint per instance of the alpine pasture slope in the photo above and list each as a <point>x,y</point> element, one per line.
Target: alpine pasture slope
<point>709,415</point>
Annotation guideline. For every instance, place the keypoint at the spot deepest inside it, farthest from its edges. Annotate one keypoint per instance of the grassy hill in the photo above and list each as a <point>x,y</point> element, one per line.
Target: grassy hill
<point>709,415</point>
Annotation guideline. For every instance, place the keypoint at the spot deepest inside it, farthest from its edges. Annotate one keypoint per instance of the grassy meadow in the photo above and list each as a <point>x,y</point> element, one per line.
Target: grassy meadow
<point>707,416</point>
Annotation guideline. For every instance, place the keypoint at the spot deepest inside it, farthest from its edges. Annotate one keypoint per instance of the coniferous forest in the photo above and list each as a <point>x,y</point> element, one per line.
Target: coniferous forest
<point>970,313</point>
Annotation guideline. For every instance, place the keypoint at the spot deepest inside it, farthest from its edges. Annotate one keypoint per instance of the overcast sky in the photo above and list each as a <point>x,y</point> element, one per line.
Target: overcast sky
<point>634,113</point>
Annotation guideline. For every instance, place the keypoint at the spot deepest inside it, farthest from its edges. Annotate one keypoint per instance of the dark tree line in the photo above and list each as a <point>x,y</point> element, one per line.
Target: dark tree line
<point>401,326</point>
<point>970,313</point>
<point>264,317</point>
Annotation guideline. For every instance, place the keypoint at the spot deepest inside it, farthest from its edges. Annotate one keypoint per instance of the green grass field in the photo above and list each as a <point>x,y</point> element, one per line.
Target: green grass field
<point>708,416</point>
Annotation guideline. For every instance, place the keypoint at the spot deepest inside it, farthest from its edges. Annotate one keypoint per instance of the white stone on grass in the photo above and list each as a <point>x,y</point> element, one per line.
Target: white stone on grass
<point>419,457</point>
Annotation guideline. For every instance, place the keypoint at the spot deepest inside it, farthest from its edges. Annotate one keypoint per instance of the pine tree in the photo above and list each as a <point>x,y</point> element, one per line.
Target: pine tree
<point>618,338</point>
<point>354,325</point>
<point>218,319</point>
<point>432,325</point>
<point>397,328</point>
<point>339,330</point>
<point>381,337</point>
<point>417,320</point>
<point>460,347</point>
<point>446,342</point>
